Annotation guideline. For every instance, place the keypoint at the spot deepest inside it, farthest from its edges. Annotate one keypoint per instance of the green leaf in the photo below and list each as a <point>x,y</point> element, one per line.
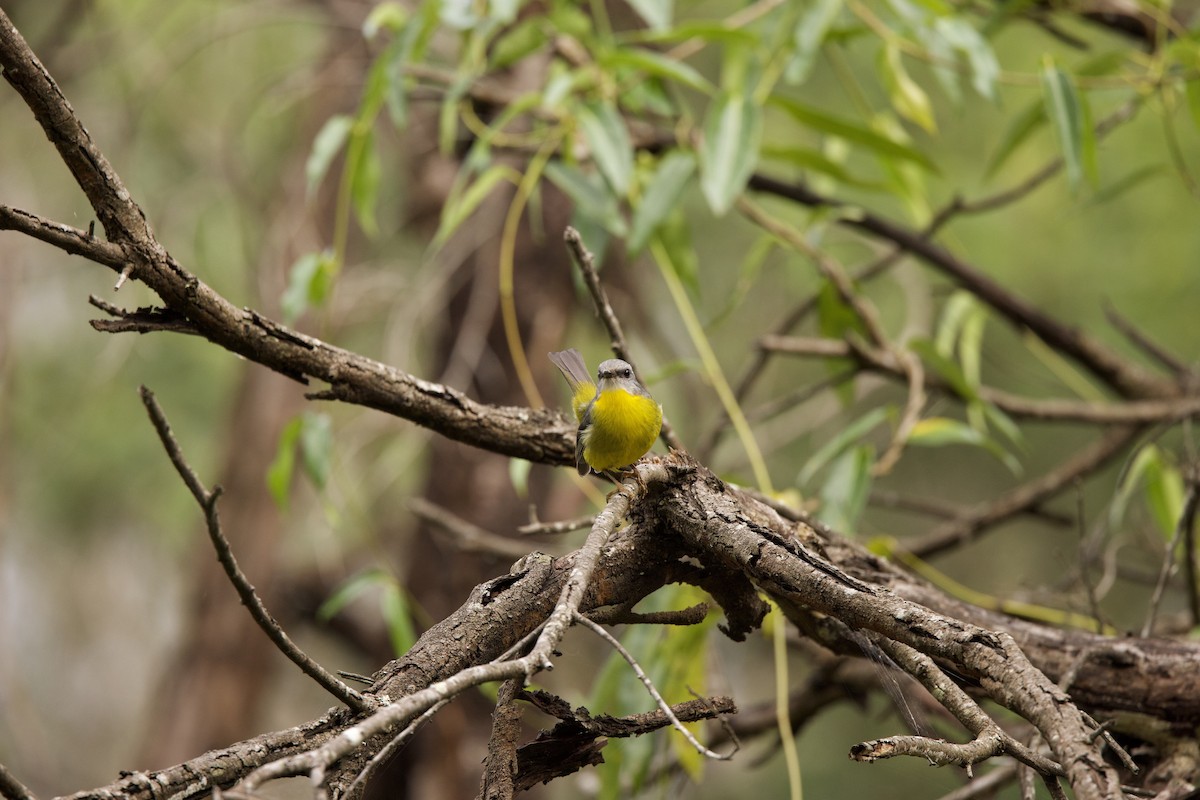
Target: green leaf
<point>808,36</point>
<point>907,96</point>
<point>365,182</point>
<point>951,322</point>
<point>518,475</point>
<point>309,282</point>
<point>662,195</point>
<point>592,196</point>
<point>656,13</point>
<point>351,590</point>
<point>1164,493</point>
<point>279,474</point>
<point>605,131</point>
<point>852,132</point>
<point>327,144</point>
<point>458,210</point>
<point>397,614</point>
<point>389,15</point>
<point>844,493</point>
<point>729,151</point>
<point>316,446</point>
<point>841,442</point>
<point>812,160</point>
<point>707,31</point>
<point>962,36</point>
<point>1066,113</point>
<point>946,368</point>
<point>941,431</point>
<point>523,40</point>
<point>656,64</point>
<point>1152,471</point>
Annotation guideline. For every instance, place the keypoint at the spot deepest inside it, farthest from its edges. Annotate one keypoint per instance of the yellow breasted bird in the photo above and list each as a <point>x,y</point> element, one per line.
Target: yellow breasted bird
<point>618,422</point>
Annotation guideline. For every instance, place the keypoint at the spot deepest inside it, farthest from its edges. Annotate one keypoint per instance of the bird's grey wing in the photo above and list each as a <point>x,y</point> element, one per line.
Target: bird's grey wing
<point>581,437</point>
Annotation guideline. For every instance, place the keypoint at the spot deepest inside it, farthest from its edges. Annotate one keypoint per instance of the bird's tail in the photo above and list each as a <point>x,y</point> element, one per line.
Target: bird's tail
<point>570,364</point>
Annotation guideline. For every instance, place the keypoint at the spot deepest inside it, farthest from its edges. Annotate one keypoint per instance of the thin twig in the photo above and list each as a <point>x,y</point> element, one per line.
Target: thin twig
<point>208,503</point>
<point>1144,342</point>
<point>867,314</point>
<point>391,748</point>
<point>467,536</point>
<point>562,526</point>
<point>586,263</point>
<point>1127,378</point>
<point>658,698</point>
<point>406,708</point>
<point>880,361</point>
<point>13,789</point>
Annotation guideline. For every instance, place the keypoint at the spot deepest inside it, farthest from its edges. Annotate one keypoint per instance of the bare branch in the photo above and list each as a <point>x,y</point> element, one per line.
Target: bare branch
<point>468,537</point>
<point>64,237</point>
<point>500,766</point>
<point>1128,379</point>
<point>13,789</point>
<point>1120,413</point>
<point>208,503</point>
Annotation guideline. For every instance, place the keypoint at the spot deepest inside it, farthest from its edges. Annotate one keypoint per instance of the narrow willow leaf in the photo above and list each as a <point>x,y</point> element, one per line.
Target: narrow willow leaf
<point>729,152</point>
<point>706,31</point>
<point>844,494</point>
<point>279,474</point>
<point>327,144</point>
<point>364,184</point>
<point>1164,493</point>
<point>397,614</point>
<point>316,447</point>
<point>941,431</point>
<point>309,282</point>
<point>845,438</point>
<point>656,13</point>
<point>606,134</point>
<point>962,36</point>
<point>852,132</point>
<point>809,35</point>
<point>459,209</point>
<point>1064,111</point>
<point>662,195</point>
<point>907,96</point>
<point>593,197</point>
<point>389,15</point>
<point>350,591</point>
<point>654,63</point>
<point>809,159</point>
<point>951,322</point>
<point>949,371</point>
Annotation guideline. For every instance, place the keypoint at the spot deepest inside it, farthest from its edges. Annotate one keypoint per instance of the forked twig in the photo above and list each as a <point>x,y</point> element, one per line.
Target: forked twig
<point>208,504</point>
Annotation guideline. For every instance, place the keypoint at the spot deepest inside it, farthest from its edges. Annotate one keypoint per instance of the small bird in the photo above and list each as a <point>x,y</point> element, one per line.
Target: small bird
<point>618,423</point>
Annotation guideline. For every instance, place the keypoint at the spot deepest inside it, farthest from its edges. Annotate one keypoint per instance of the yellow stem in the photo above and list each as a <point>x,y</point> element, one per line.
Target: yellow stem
<point>711,365</point>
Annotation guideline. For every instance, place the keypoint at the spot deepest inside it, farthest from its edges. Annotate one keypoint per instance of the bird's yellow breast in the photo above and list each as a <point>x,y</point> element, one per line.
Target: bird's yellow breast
<point>623,428</point>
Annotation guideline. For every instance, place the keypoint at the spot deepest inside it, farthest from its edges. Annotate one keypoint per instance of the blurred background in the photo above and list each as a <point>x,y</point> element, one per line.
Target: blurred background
<point>123,648</point>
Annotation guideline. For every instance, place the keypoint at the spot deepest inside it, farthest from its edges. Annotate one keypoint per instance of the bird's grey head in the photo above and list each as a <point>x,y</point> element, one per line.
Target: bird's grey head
<point>617,374</point>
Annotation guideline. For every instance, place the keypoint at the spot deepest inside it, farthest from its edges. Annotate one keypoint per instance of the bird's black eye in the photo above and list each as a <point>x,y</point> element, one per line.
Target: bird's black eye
<point>628,373</point>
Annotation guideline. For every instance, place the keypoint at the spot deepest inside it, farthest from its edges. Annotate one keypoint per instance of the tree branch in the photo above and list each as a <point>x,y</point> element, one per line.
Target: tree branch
<point>208,503</point>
